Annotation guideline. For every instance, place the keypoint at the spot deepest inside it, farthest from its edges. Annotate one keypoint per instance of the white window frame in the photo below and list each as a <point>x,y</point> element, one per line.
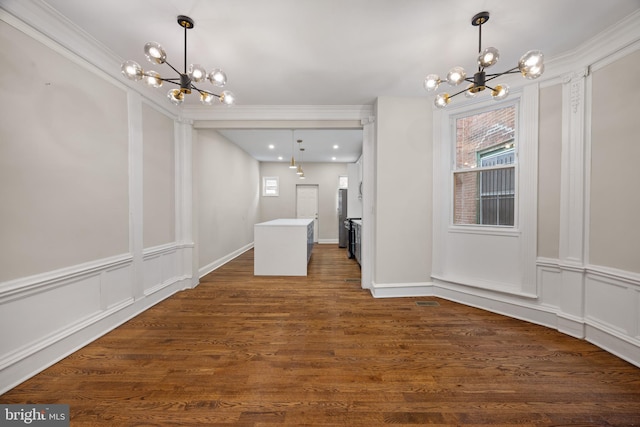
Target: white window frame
<point>468,112</point>
<point>266,185</point>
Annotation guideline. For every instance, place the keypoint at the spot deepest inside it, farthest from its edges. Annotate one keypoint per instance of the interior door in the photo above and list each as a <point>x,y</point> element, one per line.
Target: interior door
<point>307,205</point>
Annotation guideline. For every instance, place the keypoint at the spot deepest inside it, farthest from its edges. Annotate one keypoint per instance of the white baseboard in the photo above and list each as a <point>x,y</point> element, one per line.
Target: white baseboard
<point>399,290</point>
<point>328,241</point>
<point>601,323</point>
<point>222,261</point>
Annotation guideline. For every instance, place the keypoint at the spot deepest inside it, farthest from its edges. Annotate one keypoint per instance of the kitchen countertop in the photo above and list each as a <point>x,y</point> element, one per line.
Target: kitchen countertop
<point>286,222</point>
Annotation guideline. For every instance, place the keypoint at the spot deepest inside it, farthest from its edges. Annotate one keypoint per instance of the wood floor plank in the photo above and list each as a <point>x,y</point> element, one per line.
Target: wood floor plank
<point>241,350</point>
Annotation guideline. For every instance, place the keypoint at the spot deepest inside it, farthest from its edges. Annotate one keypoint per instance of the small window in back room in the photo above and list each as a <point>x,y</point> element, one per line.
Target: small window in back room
<point>270,186</point>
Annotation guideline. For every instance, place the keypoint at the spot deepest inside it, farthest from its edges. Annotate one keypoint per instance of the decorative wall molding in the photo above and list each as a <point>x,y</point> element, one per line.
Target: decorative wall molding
<point>277,112</point>
<point>183,145</point>
<point>368,201</point>
<point>25,286</point>
<point>572,186</point>
<point>610,45</point>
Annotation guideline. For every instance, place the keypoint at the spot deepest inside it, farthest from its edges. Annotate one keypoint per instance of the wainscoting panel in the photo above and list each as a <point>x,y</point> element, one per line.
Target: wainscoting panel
<point>594,303</point>
<point>609,303</point>
<point>56,313</point>
<point>38,316</point>
<point>549,280</point>
<point>612,311</point>
<point>160,267</point>
<point>116,286</point>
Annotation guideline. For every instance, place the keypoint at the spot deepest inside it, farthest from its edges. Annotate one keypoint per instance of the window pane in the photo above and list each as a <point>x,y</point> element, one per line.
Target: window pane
<point>270,186</point>
<point>484,197</point>
<point>479,132</point>
<point>465,210</point>
<point>485,142</point>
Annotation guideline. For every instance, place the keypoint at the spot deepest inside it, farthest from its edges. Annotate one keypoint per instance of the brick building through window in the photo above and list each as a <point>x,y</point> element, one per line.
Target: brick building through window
<point>485,169</point>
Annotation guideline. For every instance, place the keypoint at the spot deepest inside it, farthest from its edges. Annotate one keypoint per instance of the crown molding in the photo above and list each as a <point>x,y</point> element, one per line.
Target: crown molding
<point>279,112</point>
<point>611,44</point>
<point>42,22</point>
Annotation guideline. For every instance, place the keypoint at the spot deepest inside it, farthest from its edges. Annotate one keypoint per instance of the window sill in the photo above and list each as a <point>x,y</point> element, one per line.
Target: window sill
<point>487,230</point>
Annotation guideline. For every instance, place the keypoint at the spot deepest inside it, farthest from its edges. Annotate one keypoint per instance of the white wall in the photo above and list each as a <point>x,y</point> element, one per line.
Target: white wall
<point>159,206</point>
<point>403,185</point>
<point>226,186</point>
<point>614,229</point>
<point>549,155</point>
<point>325,175</point>
<point>63,161</point>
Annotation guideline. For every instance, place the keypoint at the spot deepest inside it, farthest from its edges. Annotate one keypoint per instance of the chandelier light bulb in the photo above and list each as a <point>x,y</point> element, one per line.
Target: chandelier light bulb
<point>431,82</point>
<point>488,57</point>
<point>227,97</point>
<point>471,91</point>
<point>217,78</point>
<point>132,70</point>
<point>197,72</point>
<point>207,98</point>
<point>155,53</point>
<point>456,76</point>
<point>442,100</point>
<point>500,92</point>
<point>153,79</point>
<point>175,96</point>
<point>531,65</point>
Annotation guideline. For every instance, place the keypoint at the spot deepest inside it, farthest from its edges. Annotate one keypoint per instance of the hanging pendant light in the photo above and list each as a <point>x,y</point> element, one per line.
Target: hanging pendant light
<point>292,165</point>
<point>194,73</point>
<point>531,66</point>
<point>299,168</point>
<point>300,172</point>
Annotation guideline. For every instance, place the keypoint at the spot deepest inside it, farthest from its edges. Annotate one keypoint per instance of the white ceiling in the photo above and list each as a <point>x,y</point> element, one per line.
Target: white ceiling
<point>337,52</point>
<point>320,145</point>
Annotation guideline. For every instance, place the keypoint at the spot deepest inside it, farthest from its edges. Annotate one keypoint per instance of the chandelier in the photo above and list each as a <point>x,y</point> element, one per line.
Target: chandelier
<point>195,73</point>
<point>530,66</point>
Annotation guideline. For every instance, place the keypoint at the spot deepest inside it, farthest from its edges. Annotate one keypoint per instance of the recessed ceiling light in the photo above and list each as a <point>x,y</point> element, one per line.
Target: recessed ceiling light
<point>335,147</point>
<point>280,158</point>
<point>271,146</point>
<point>333,158</point>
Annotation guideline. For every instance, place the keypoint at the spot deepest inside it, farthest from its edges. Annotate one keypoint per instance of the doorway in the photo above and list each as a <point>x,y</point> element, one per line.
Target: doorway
<point>307,205</point>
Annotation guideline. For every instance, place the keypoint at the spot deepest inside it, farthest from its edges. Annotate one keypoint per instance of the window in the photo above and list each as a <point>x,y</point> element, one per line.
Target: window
<point>485,168</point>
<point>343,181</point>
<point>270,186</point>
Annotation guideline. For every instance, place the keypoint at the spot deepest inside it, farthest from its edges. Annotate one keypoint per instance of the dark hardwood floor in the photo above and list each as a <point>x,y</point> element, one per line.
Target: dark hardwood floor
<point>241,350</point>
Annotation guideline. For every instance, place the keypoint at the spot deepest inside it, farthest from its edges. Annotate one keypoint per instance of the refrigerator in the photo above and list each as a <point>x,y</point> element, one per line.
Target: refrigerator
<point>343,232</point>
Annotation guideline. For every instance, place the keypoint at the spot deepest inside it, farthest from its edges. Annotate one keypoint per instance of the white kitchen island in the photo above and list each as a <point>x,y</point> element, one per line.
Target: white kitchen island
<point>282,247</point>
